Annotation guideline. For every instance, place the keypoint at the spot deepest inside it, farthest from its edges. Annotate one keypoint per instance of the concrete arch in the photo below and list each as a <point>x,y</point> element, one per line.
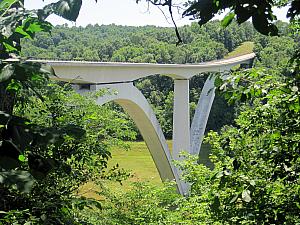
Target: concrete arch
<point>138,108</point>
<point>201,115</point>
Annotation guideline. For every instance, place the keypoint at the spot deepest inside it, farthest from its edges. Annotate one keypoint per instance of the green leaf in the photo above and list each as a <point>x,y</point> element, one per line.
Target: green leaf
<point>217,3</point>
<point>21,31</point>
<point>22,158</point>
<point>68,9</point>
<point>218,82</point>
<point>14,86</point>
<point>227,19</point>
<point>34,25</point>
<point>234,198</point>
<point>246,196</point>
<point>7,3</point>
<point>64,210</point>
<point>7,72</point>
<point>9,47</point>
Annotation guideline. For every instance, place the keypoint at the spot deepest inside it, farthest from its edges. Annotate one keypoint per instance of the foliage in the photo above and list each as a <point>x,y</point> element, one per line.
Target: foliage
<point>47,140</point>
<point>52,143</point>
<point>18,23</point>
<point>143,204</point>
<point>255,179</point>
<point>256,174</point>
<point>18,133</point>
<point>138,44</point>
<point>274,52</point>
<point>260,12</point>
<point>77,157</point>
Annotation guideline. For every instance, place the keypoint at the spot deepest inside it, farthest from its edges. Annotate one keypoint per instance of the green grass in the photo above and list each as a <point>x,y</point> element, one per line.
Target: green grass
<point>243,49</point>
<point>139,162</point>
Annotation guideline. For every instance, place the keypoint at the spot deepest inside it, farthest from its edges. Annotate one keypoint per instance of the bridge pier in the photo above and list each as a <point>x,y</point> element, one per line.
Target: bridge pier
<point>181,118</point>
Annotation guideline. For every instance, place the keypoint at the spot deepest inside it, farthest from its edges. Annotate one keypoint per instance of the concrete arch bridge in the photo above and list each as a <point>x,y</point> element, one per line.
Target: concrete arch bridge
<point>120,76</point>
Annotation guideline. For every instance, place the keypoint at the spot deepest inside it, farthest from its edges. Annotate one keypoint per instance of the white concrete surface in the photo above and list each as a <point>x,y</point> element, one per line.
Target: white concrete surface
<point>201,115</point>
<point>138,108</point>
<point>109,72</point>
<point>181,118</point>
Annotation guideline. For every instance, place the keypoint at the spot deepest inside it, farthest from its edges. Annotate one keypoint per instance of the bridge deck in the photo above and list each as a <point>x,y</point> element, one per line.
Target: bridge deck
<point>111,72</point>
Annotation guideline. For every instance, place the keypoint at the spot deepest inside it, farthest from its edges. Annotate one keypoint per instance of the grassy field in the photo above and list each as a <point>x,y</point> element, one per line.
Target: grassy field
<point>244,48</point>
<point>139,162</point>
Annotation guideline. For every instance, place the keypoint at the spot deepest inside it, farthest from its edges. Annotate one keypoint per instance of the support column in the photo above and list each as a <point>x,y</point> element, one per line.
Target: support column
<point>181,118</point>
<point>201,115</point>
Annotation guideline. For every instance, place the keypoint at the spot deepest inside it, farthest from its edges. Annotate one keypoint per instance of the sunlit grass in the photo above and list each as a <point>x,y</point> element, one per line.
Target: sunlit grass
<point>139,162</point>
<point>243,49</point>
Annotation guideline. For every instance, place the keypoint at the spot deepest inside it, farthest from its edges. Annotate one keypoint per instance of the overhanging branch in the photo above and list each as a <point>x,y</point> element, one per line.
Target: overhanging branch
<point>169,4</point>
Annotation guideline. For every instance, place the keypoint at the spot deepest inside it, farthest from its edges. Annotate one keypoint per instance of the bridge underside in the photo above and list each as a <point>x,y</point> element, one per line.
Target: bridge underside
<point>119,77</point>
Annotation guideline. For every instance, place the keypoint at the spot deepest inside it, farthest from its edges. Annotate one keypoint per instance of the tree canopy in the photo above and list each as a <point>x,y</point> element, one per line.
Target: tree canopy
<point>260,12</point>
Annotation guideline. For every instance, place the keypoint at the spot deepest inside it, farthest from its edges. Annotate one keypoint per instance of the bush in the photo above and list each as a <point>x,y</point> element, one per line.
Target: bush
<point>256,174</point>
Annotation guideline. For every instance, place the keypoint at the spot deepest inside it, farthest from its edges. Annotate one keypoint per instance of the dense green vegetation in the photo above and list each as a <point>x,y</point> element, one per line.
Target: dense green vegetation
<point>245,187</point>
<point>139,44</point>
<point>52,139</point>
<point>74,158</point>
<point>48,132</point>
<point>255,179</point>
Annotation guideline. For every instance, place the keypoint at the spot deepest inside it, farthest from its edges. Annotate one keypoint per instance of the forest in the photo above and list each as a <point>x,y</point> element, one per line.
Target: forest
<point>151,44</point>
<point>54,140</point>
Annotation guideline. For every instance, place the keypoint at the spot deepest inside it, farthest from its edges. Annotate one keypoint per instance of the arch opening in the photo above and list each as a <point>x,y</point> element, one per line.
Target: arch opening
<point>136,105</point>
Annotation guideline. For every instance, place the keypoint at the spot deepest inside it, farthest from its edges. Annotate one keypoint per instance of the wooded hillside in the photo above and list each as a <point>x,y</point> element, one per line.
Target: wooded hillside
<point>152,44</point>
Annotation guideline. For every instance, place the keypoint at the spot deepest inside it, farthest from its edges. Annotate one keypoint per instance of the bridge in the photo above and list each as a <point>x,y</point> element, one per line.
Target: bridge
<point>119,77</point>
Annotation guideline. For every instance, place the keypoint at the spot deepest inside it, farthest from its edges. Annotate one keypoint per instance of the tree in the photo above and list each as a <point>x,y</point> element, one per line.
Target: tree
<point>49,143</point>
<point>256,174</point>
<point>261,12</point>
<point>16,24</point>
<point>22,143</point>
